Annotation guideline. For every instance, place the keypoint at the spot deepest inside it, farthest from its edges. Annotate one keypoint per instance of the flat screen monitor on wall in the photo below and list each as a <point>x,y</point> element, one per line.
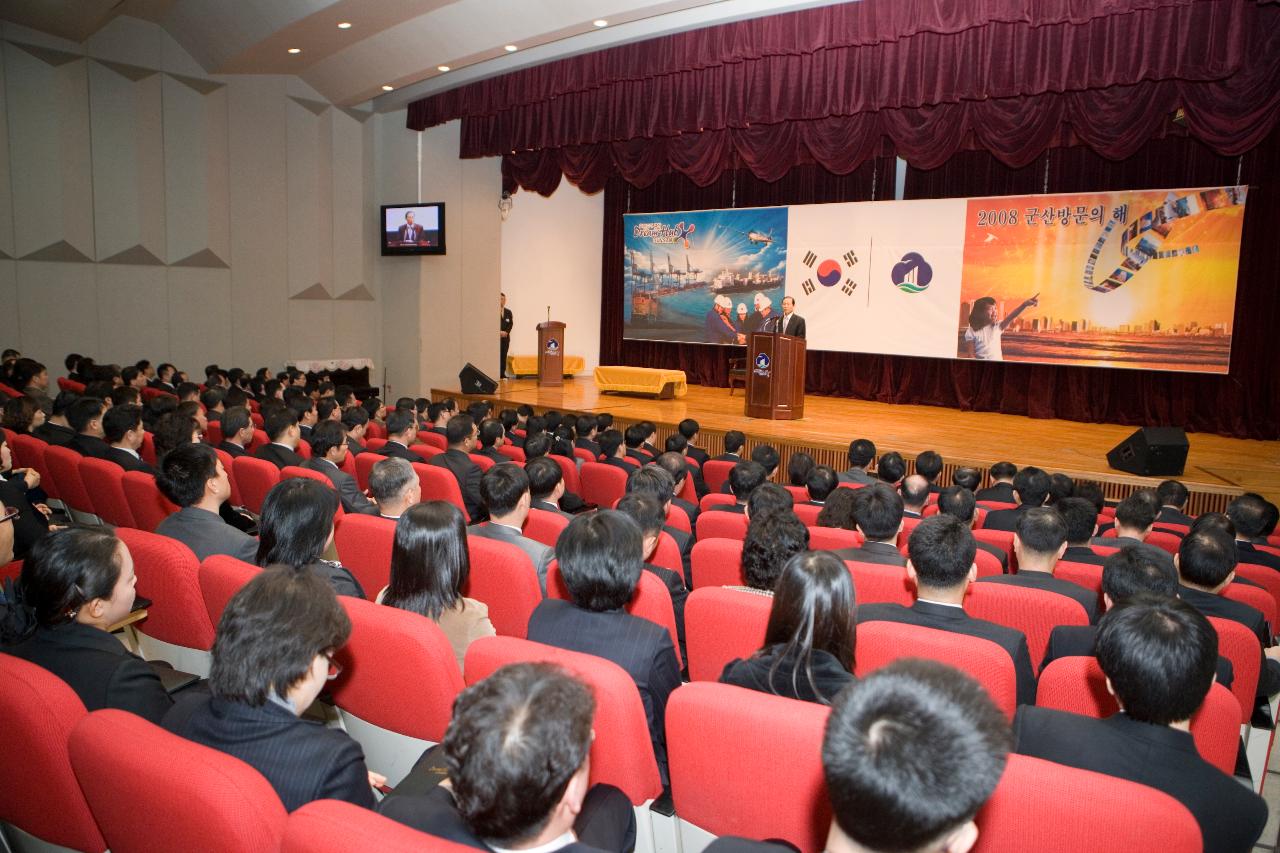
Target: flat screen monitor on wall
<point>413,229</point>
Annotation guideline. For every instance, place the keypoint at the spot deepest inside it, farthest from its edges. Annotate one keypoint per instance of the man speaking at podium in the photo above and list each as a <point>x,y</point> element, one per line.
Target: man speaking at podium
<point>792,323</point>
<point>410,232</point>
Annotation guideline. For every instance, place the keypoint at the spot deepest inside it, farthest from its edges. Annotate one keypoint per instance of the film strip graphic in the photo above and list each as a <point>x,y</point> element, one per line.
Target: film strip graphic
<point>1144,239</point>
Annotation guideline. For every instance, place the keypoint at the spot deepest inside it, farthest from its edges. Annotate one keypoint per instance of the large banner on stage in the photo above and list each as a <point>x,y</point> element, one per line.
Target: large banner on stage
<point>1141,279</point>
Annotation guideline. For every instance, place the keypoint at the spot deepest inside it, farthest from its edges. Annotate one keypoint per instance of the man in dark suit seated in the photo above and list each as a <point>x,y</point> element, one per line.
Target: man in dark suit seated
<point>237,431</point>
<point>462,438</point>
<point>1039,542</point>
<point>1002,488</point>
<point>678,445</point>
<point>191,475</point>
<point>356,420</point>
<point>1252,514</point>
<point>744,479</point>
<point>764,455</point>
<point>613,449</point>
<point>657,481</point>
<point>862,452</point>
<point>634,438</point>
<point>733,441</point>
<point>942,567</point>
<point>31,523</point>
<point>329,449</point>
<point>1173,497</point>
<point>689,429</point>
<point>929,466</point>
<point>1135,519</point>
<point>122,428</point>
<point>1082,524</point>
<point>492,436</point>
<point>915,493</point>
<point>1031,486</point>
<point>402,427</point>
<point>273,655</point>
<point>541,444</point>
<point>282,429</point>
<point>56,430</point>
<point>438,416</point>
<point>85,417</point>
<point>505,490</point>
<point>601,561</point>
<point>1158,655</point>
<point>516,755</point>
<point>394,487</point>
<point>958,502</point>
<point>891,468</point>
<point>585,435</point>
<point>650,515</point>
<point>546,485</point>
<point>678,466</point>
<point>877,515</point>
<point>305,408</point>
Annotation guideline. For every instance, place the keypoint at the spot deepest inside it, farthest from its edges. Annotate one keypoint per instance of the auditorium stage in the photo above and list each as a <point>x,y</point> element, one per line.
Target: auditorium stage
<point>1218,468</point>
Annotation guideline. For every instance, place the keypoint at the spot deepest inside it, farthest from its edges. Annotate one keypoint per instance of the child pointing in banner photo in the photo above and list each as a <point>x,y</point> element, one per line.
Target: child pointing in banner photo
<point>986,327</point>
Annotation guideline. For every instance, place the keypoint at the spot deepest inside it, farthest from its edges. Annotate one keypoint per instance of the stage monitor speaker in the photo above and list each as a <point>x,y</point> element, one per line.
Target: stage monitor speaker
<point>475,381</point>
<point>1151,452</point>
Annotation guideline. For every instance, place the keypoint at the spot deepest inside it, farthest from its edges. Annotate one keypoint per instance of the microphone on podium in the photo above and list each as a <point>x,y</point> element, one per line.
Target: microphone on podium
<point>548,313</point>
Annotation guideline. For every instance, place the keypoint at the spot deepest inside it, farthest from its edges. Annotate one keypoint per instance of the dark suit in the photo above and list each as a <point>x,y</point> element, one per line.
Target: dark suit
<point>207,534</point>
<point>857,476</point>
<point>302,759</point>
<point>539,554</point>
<point>128,461</point>
<point>98,668</point>
<point>30,525</point>
<point>615,462</point>
<point>690,509</point>
<point>947,618</point>
<point>354,447</point>
<point>1047,582</point>
<point>468,475</point>
<point>52,433</point>
<point>1067,641</point>
<point>789,678</point>
<point>590,446</point>
<point>353,500</point>
<point>697,454</point>
<point>493,454</point>
<point>1170,515</point>
<point>637,645</point>
<point>409,233</point>
<point>550,506</point>
<point>1001,493</point>
<point>684,541</point>
<point>641,456</point>
<point>396,450</point>
<point>1237,611</point>
<point>794,325</point>
<point>89,445</point>
<point>232,449</point>
<point>278,455</point>
<point>738,508</point>
<point>1247,553</point>
<point>339,577</point>
<point>727,457</point>
<point>674,583</point>
<point>881,553</point>
<point>1082,554</point>
<point>1005,519</point>
<point>1231,817</point>
<point>505,324</point>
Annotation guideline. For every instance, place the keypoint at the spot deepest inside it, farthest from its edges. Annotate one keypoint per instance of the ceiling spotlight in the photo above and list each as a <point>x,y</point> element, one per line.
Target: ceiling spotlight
<point>442,68</point>
<point>387,88</point>
<point>600,22</point>
<point>344,25</point>
<point>510,48</point>
<point>295,50</point>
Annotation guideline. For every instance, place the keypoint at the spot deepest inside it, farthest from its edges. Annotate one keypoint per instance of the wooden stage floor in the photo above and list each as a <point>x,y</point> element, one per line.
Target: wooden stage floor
<point>1217,467</point>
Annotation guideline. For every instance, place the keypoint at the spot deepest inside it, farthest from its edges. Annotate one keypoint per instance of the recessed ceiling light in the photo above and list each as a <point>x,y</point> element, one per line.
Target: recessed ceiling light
<point>442,68</point>
<point>387,88</point>
<point>295,50</point>
<point>344,25</point>
<point>510,48</point>
<point>600,22</point>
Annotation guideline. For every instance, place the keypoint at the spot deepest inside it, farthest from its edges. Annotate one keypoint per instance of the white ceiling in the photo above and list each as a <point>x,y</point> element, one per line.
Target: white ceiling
<point>390,42</point>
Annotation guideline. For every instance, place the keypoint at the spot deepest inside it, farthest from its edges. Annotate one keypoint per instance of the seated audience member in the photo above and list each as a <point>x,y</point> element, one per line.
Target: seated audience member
<point>679,468</point>
<point>634,437</point>
<point>1038,543</point>
<point>20,491</point>
<point>100,390</point>
<point>958,502</point>
<point>187,391</point>
<point>429,568</point>
<point>402,427</point>
<point>837,509</point>
<point>460,433</point>
<point>85,417</point>
<point>172,431</point>
<point>967,478</point>
<point>305,410</point>
<point>891,468</point>
<point>439,415</point>
<point>394,487</point>
<point>272,656</point>
<point>125,395</point>
<point>658,482</point>
<point>157,409</point>
<point>1002,486</point>
<point>492,436</point>
<point>941,566</point>
<point>587,430</point>
<point>769,497</point>
<point>76,583</point>
<point>766,456</point>
<point>192,410</point>
<point>516,753</point>
<point>356,420</point>
<point>1173,497</point>
<point>540,444</point>
<point>1060,487</point>
<point>1206,564</point>
<point>297,528</point>
<point>237,431</point>
<point>808,647</point>
<point>1092,492</point>
<point>689,428</point>
<point>929,466</point>
<point>798,469</point>
<point>601,560</point>
<point>32,379</point>
<point>1081,520</point>
<point>327,410</point>
<point>505,491</point>
<point>733,441</point>
<point>329,449</point>
<point>678,445</point>
<point>613,449</point>
<point>649,514</point>
<point>820,483</point>
<point>122,428</point>
<point>23,416</point>
<point>213,401</point>
<point>193,477</point>
<point>1031,486</point>
<point>915,494</point>
<point>283,432</point>
<point>510,421</point>
<point>744,479</point>
<point>877,515</point>
<point>1158,655</point>
<point>650,430</point>
<point>376,410</point>
<point>1135,516</point>
<point>1250,513</point>
<point>862,452</point>
<point>546,485</point>
<point>773,538</point>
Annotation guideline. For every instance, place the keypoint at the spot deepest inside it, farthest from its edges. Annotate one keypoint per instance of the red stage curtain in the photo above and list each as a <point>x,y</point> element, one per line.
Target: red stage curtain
<point>1245,403</point>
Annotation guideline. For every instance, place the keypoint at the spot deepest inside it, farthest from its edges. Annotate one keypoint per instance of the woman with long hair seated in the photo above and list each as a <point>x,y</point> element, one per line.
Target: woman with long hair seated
<point>75,584</point>
<point>429,568</point>
<point>809,642</point>
<point>296,529</point>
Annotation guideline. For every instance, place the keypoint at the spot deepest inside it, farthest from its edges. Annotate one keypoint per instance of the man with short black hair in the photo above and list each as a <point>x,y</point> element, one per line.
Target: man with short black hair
<point>744,479</point>
<point>85,417</point>
<point>659,482</point>
<point>56,430</point>
<point>237,431</point>
<point>1031,485</point>
<point>506,495</point>
<point>958,502</point>
<point>329,449</point>
<point>187,391</point>
<point>689,428</point>
<point>915,494</point>
<point>634,438</point>
<point>192,476</point>
<point>212,400</point>
<point>460,432</point>
<point>1038,543</point>
<point>491,436</point>
<point>929,466</point>
<point>546,485</point>
<point>1082,525</point>
<point>613,449</point>
<point>650,515</point>
<point>1250,513</point>
<point>1001,489</point>
<point>861,452</point>
<point>282,429</point>
<point>820,483</point>
<point>733,441</point>
<point>1158,656</point>
<point>305,409</point>
<point>877,515</point>
<point>122,428</point>
<point>356,421</point>
<point>1173,497</point>
<point>891,468</point>
<point>394,487</point>
<point>941,564</point>
<point>967,478</point>
<point>402,426</point>
<point>438,414</point>
<point>1135,519</point>
<point>679,468</point>
<point>586,428</point>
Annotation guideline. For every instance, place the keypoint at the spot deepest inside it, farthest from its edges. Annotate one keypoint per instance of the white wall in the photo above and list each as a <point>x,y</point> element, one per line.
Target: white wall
<point>551,256</point>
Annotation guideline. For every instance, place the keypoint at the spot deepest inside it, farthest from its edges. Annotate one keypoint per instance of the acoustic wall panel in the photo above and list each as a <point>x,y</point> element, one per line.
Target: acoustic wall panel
<point>134,313</point>
<point>58,305</point>
<point>195,172</point>
<point>347,155</point>
<point>200,317</point>
<point>306,233</point>
<point>10,319</point>
<point>6,188</point>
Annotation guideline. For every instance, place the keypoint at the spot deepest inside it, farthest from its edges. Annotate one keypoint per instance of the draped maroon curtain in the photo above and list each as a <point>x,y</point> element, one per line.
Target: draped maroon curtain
<point>1245,403</point>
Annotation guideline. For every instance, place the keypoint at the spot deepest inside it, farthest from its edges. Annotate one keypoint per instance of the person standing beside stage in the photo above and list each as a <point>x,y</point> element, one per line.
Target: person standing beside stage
<point>505,323</point>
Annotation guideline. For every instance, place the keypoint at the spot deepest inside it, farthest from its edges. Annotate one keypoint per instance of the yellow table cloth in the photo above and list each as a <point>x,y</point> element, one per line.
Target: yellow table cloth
<point>527,365</point>
<point>639,380</point>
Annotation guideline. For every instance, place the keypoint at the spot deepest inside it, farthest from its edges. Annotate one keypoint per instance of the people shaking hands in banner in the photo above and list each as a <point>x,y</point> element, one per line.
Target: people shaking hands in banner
<point>986,327</point>
<point>720,328</point>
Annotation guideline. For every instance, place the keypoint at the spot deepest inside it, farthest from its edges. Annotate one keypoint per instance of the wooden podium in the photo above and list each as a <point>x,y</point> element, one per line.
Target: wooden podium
<point>551,354</point>
<point>775,377</point>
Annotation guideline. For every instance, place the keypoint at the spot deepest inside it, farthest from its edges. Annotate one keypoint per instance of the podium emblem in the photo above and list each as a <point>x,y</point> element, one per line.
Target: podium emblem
<point>762,364</point>
<point>553,346</point>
